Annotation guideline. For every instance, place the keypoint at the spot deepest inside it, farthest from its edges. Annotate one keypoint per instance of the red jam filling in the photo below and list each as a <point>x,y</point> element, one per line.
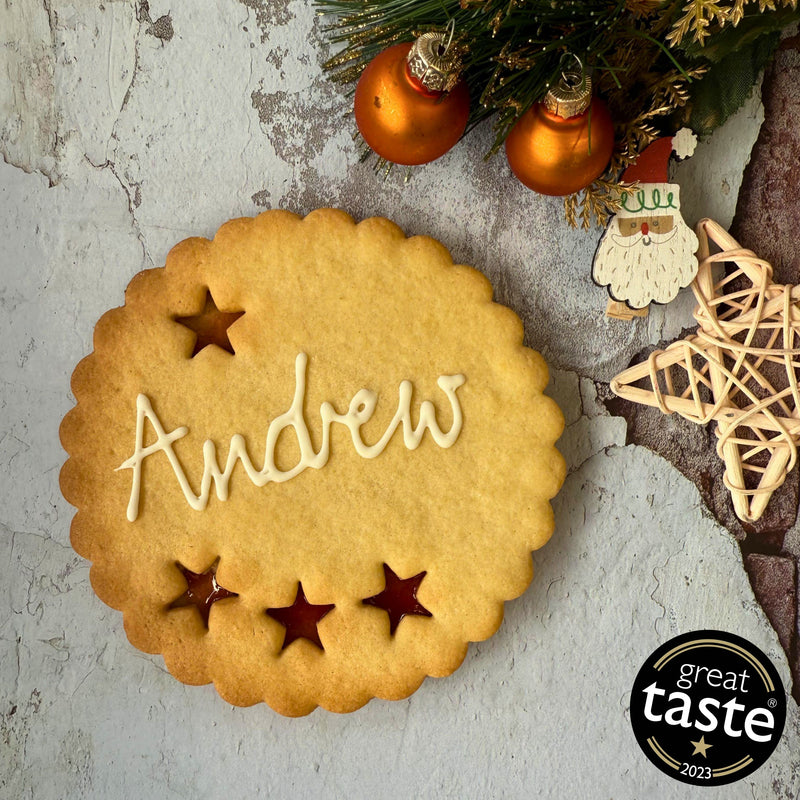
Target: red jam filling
<point>399,598</point>
<point>202,591</point>
<point>300,619</point>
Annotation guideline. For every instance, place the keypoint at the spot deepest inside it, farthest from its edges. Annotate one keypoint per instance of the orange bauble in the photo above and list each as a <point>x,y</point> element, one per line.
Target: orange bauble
<point>399,118</point>
<point>557,156</point>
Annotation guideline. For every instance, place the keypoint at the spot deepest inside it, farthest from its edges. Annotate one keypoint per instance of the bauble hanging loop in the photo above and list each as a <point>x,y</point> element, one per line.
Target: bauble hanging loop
<point>571,96</point>
<point>410,105</point>
<point>434,62</point>
<point>560,145</point>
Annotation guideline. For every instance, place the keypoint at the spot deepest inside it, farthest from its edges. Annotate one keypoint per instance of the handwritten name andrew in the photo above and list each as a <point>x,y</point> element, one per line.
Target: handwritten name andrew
<point>362,406</point>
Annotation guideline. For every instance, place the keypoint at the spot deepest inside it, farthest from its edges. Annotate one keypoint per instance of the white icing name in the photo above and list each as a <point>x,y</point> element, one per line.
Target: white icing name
<point>361,409</point>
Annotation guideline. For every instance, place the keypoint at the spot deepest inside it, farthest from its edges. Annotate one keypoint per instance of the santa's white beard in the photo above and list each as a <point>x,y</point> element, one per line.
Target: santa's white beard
<point>639,269</point>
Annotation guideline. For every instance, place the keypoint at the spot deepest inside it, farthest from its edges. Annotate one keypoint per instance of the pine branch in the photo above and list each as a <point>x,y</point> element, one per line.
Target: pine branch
<point>645,57</point>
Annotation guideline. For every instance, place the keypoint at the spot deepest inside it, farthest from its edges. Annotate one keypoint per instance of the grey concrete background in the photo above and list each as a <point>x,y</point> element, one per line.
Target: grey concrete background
<point>125,128</point>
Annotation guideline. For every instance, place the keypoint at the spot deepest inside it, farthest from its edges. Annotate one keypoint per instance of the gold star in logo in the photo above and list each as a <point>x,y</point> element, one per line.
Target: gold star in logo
<point>700,747</point>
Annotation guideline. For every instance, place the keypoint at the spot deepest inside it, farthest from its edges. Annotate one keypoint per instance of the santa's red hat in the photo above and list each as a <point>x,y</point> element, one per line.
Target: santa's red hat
<point>655,195</point>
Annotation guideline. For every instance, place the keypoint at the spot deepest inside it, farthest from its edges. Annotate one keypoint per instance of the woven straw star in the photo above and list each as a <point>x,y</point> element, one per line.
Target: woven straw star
<point>740,369</point>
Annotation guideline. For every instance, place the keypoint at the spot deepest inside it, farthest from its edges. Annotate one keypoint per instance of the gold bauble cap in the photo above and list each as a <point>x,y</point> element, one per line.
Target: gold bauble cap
<point>433,62</point>
<point>571,96</point>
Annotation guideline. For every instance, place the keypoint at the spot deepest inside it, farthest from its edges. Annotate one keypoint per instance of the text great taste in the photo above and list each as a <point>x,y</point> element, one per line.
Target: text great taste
<point>360,411</point>
<point>677,708</point>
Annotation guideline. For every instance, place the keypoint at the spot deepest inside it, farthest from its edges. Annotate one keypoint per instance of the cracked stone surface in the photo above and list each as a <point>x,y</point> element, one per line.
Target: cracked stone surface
<point>765,212</point>
<point>125,127</point>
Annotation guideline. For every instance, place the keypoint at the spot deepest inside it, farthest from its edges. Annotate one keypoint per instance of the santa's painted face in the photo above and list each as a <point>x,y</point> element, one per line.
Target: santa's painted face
<point>642,259</point>
<point>630,226</point>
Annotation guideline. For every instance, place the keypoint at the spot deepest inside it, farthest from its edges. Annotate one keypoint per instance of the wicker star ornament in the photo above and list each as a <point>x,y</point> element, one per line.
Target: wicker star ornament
<point>740,369</point>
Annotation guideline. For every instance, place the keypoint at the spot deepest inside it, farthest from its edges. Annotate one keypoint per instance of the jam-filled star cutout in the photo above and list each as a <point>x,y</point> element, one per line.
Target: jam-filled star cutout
<point>202,591</point>
<point>399,598</point>
<point>300,619</point>
<point>210,326</point>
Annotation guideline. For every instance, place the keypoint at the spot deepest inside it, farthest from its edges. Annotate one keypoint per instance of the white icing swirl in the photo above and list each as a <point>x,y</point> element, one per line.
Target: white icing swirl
<point>362,406</point>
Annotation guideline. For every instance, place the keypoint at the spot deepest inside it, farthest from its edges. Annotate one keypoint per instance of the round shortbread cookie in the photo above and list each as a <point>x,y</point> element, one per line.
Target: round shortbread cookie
<point>310,460</point>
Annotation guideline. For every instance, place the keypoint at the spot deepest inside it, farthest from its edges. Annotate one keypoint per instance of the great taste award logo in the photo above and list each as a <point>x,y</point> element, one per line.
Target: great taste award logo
<point>708,708</point>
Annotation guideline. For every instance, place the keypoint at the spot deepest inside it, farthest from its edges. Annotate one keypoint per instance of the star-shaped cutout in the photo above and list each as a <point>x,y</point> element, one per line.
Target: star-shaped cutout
<point>300,619</point>
<point>202,590</point>
<point>700,747</point>
<point>399,598</point>
<point>210,326</point>
<point>740,369</point>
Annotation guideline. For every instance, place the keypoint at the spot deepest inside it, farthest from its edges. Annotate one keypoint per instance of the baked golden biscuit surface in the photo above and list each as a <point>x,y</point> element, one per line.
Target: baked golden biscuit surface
<point>310,460</point>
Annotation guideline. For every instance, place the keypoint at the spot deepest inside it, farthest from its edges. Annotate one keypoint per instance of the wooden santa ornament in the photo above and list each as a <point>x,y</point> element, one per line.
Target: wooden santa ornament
<point>647,253</point>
